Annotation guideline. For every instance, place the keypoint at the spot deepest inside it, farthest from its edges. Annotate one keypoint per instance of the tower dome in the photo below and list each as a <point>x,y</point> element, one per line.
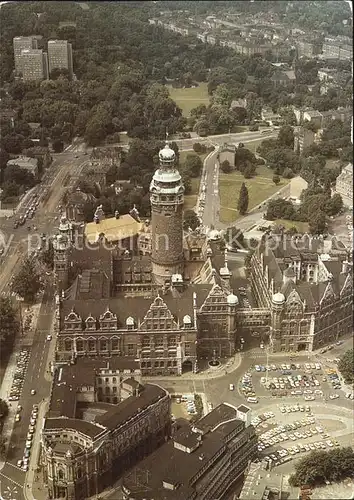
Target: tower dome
<point>232,300</point>
<point>278,298</point>
<point>167,155</point>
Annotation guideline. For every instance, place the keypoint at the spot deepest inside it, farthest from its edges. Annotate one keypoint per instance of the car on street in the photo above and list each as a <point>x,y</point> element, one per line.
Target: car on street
<point>33,392</point>
<point>231,387</point>
<point>18,417</point>
<point>49,337</point>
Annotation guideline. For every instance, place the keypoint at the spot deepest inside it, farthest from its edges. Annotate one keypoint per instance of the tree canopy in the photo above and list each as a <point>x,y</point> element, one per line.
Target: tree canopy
<point>321,466</point>
<point>27,283</point>
<point>242,204</point>
<point>346,366</point>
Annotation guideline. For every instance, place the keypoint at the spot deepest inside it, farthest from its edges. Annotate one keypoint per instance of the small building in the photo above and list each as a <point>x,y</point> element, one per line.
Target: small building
<point>344,185</point>
<point>297,186</point>
<point>25,162</point>
<point>238,103</point>
<point>269,116</point>
<point>283,78</point>
<point>313,116</point>
<point>303,138</point>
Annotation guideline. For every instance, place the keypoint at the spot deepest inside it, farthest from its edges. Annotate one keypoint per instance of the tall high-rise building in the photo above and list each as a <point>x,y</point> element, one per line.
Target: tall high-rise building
<point>21,43</point>
<point>167,198</point>
<point>60,55</point>
<point>33,64</point>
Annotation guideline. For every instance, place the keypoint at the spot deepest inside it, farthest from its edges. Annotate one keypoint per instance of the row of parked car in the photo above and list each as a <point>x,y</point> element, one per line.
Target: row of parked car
<point>285,454</point>
<point>24,463</point>
<point>19,376</point>
<point>248,389</point>
<point>262,418</point>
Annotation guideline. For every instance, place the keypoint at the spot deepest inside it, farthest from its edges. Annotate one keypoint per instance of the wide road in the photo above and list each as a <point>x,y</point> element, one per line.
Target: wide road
<point>11,476</point>
<point>63,172</point>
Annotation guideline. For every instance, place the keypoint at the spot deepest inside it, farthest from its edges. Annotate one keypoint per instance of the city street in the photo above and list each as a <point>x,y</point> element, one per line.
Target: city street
<point>37,379</point>
<point>210,179</point>
<point>63,172</point>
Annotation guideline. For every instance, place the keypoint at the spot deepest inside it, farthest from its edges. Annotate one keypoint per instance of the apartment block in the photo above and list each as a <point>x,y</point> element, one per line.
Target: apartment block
<point>21,43</point>
<point>60,56</point>
<point>33,64</point>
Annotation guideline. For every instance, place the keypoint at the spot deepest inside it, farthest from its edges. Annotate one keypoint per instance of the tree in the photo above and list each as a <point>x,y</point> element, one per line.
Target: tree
<point>4,409</point>
<point>288,173</point>
<point>8,324</point>
<point>249,171</point>
<point>334,205</point>
<point>193,165</point>
<point>320,467</point>
<point>226,167</point>
<point>280,209</point>
<point>346,366</point>
<point>2,446</point>
<point>276,179</point>
<point>242,204</point>
<point>286,136</point>
<point>27,283</point>
<point>190,220</point>
<point>58,146</point>
<point>318,222</point>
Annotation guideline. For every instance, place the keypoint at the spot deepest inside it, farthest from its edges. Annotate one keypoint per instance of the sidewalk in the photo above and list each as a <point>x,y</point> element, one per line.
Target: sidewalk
<point>34,488</point>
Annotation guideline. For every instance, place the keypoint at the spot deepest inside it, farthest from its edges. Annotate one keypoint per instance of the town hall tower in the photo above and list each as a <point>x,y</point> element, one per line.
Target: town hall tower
<point>167,198</point>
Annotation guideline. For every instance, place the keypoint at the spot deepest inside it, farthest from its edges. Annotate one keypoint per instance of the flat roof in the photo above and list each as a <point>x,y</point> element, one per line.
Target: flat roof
<point>171,466</point>
<point>123,411</point>
<point>87,428</point>
<point>220,414</point>
<point>113,229</point>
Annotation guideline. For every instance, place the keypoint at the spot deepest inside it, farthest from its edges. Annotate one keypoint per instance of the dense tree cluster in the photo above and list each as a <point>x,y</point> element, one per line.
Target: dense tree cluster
<point>136,166</point>
<point>346,366</point>
<point>316,206</point>
<point>9,325</point>
<point>320,467</point>
<point>28,283</point>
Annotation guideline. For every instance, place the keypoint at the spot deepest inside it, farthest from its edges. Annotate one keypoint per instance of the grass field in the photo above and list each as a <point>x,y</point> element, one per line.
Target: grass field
<point>259,187</point>
<point>188,99</point>
<point>302,227</point>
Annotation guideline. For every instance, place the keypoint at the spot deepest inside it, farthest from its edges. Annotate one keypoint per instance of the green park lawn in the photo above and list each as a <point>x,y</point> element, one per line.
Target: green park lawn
<point>259,188</point>
<point>190,98</point>
<point>302,227</point>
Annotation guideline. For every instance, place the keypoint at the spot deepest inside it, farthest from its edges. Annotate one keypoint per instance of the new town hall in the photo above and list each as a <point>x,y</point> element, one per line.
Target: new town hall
<point>149,291</point>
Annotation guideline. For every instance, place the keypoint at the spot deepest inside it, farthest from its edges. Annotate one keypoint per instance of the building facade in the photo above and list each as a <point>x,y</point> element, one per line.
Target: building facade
<point>21,43</point>
<point>60,56</point>
<point>344,185</point>
<point>86,444</point>
<point>200,461</point>
<point>307,291</point>
<point>33,64</point>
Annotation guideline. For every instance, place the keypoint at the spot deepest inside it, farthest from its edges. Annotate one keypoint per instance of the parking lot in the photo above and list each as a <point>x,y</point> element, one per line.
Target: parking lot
<point>303,432</point>
<point>306,381</point>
